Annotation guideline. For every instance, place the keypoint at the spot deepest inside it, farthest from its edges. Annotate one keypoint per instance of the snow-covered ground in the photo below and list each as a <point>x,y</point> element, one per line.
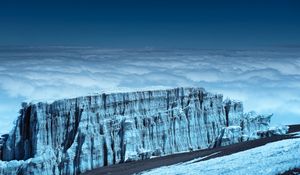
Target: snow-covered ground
<point>273,158</point>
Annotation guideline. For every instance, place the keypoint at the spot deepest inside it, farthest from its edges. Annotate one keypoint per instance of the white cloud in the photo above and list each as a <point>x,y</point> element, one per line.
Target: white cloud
<point>266,80</point>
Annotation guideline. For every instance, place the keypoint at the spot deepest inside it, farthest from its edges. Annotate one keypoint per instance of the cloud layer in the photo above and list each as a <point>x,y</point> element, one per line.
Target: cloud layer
<point>267,81</point>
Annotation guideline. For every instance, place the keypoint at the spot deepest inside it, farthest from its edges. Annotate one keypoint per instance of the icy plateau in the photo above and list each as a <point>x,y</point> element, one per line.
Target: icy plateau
<point>72,136</point>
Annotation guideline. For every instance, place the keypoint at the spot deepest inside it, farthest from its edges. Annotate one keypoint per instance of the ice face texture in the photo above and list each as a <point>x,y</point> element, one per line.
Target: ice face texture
<point>75,135</point>
<point>252,126</point>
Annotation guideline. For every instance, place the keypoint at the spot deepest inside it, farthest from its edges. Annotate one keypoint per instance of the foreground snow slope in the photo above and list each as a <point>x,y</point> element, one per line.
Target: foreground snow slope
<point>273,158</point>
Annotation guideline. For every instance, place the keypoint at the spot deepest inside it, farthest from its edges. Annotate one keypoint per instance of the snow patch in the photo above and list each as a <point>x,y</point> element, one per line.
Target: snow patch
<point>270,159</point>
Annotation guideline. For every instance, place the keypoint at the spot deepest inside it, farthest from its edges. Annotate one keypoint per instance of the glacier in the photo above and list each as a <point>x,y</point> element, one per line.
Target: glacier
<point>272,158</point>
<point>71,136</point>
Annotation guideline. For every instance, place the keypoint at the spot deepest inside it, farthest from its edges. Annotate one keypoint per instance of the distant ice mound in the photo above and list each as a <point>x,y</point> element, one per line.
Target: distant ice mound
<point>252,126</point>
<point>72,136</point>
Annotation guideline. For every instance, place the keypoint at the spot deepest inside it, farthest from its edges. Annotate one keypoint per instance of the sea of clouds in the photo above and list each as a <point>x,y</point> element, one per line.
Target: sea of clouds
<point>266,80</point>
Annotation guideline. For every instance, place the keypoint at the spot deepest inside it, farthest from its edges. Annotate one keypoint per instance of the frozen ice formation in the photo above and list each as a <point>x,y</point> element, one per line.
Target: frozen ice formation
<point>2,141</point>
<point>229,135</point>
<point>75,135</point>
<point>252,126</point>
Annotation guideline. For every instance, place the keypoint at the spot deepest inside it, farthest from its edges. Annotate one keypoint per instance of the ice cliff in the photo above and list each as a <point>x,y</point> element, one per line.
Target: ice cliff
<point>3,139</point>
<point>75,135</point>
<point>252,126</point>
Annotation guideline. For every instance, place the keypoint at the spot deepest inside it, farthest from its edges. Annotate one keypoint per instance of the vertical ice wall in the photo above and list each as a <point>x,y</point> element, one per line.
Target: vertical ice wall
<point>74,135</point>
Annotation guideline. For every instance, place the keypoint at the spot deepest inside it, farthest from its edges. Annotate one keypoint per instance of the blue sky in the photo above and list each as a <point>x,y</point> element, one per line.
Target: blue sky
<point>151,23</point>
